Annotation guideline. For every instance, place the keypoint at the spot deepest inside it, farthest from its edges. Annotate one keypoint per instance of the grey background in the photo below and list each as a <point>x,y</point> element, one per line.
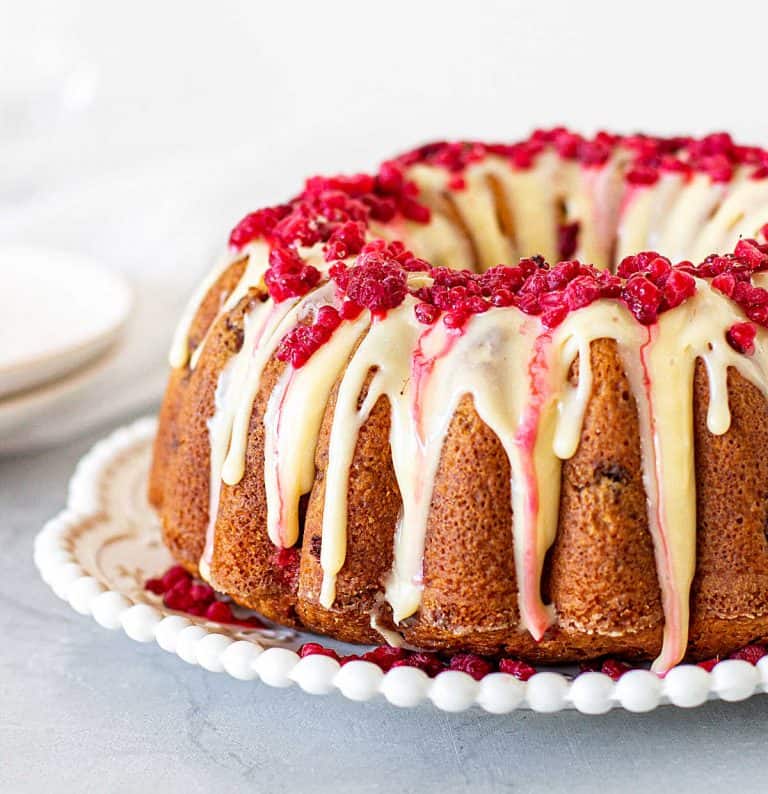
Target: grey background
<point>86,710</point>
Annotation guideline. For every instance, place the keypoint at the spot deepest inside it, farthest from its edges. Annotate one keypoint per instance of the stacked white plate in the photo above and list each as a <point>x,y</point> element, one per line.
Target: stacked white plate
<point>61,322</point>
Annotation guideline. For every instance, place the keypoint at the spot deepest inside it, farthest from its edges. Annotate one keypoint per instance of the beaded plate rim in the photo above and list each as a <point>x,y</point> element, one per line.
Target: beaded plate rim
<point>217,648</point>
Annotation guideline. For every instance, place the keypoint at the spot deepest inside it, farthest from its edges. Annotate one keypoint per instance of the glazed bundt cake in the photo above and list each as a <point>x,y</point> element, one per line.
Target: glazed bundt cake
<point>377,425</point>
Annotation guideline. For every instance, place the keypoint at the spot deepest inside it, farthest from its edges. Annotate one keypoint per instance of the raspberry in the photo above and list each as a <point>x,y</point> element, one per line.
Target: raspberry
<point>677,288</point>
<point>347,240</point>
<point>257,224</point>
<point>748,252</point>
<point>219,612</point>
<point>472,664</point>
<point>741,337</point>
<point>350,310</point>
<point>582,291</point>
<point>413,211</point>
<point>385,656</point>
<point>355,185</point>
<point>709,664</point>
<point>518,669</point>
<point>316,649</point>
<point>636,263</point>
<point>725,283</point>
<point>155,586</point>
<point>428,662</point>
<point>614,668</point>
<point>302,341</point>
<point>173,575</point>
<point>643,298</point>
<point>567,239</point>
<point>426,313</point>
<point>456,318</point>
<point>642,175</point>
<point>200,592</point>
<point>288,276</point>
<point>376,281</point>
<point>390,179</point>
<point>287,563</point>
<point>178,596</point>
<point>750,653</point>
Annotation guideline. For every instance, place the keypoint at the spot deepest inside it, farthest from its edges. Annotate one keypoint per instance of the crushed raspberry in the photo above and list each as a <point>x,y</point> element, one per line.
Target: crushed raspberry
<point>287,559</point>
<point>220,612</point>
<point>470,663</point>
<point>709,664</point>
<point>678,287</point>
<point>385,656</point>
<point>518,669</point>
<point>567,239</point>
<point>316,649</point>
<point>355,185</point>
<point>376,281</point>
<point>750,253</point>
<point>741,337</point>
<point>288,276</point>
<point>257,224</point>
<point>643,298</point>
<point>430,663</point>
<point>173,575</point>
<point>346,240</point>
<point>298,345</point>
<point>750,653</point>
<point>201,592</point>
<point>614,668</point>
<point>183,593</point>
<point>426,313</point>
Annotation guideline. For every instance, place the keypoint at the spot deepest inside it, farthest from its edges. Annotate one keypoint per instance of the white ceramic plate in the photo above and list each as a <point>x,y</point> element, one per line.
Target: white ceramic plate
<point>57,313</point>
<point>19,410</point>
<point>100,550</point>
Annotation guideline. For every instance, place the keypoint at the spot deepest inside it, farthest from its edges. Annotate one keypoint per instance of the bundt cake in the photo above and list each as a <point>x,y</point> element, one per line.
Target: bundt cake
<point>377,426</point>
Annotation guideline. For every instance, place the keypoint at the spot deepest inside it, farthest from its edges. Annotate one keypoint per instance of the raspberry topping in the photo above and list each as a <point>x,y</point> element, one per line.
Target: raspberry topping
<point>315,649</point>
<point>288,276</point>
<point>346,240</point>
<point>614,668</point>
<point>183,593</point>
<point>385,656</point>
<point>741,337</point>
<point>470,663</point>
<point>286,562</point>
<point>567,239</point>
<point>518,669</point>
<point>298,345</point>
<point>430,663</point>
<point>377,281</point>
<point>750,653</point>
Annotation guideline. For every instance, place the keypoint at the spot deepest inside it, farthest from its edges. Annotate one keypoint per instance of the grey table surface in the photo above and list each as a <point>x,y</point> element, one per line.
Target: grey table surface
<point>86,710</point>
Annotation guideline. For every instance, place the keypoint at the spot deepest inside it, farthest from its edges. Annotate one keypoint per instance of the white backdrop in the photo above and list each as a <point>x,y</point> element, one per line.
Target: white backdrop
<point>138,132</point>
<point>348,81</point>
